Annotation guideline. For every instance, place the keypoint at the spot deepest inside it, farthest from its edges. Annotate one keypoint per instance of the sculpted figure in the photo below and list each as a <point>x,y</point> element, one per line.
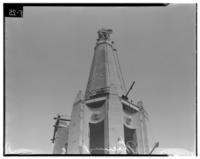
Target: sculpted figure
<point>120,147</point>
<point>104,34</point>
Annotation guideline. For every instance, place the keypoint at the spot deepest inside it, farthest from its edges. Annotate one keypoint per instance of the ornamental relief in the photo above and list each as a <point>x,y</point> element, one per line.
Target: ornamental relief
<point>96,114</point>
<point>130,121</point>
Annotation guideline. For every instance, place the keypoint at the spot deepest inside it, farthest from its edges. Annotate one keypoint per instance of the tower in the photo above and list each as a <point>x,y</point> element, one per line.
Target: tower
<point>60,135</point>
<point>104,120</point>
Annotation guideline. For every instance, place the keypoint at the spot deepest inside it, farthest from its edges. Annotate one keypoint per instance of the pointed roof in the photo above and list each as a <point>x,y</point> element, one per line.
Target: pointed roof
<point>79,97</point>
<point>105,73</point>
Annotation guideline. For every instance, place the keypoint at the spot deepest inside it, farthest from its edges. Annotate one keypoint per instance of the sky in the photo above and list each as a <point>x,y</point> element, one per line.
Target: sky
<point>49,51</point>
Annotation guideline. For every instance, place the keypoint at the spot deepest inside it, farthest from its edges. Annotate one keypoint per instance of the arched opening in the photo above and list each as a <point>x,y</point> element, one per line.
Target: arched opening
<point>97,138</point>
<point>130,138</point>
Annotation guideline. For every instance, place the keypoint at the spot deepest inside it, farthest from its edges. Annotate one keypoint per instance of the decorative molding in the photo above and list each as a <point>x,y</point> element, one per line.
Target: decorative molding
<point>95,100</point>
<point>131,105</point>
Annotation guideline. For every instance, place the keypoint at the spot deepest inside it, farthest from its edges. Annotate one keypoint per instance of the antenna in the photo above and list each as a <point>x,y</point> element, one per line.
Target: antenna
<point>155,146</point>
<point>55,127</point>
<point>130,89</point>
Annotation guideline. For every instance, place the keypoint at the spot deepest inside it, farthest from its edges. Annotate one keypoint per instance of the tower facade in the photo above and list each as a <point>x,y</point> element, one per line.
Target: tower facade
<point>60,135</point>
<point>104,120</point>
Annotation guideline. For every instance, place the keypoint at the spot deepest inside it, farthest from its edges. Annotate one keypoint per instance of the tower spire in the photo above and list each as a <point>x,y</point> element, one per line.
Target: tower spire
<point>103,122</point>
<point>105,73</point>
